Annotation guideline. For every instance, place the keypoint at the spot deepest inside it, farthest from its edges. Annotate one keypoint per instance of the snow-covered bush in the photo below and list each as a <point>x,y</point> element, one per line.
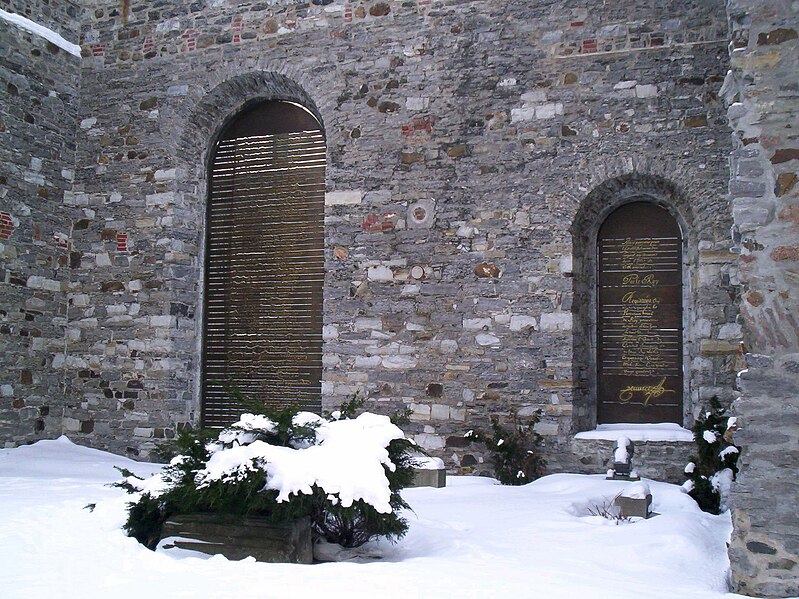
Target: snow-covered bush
<point>715,465</point>
<point>514,450</point>
<point>344,474</point>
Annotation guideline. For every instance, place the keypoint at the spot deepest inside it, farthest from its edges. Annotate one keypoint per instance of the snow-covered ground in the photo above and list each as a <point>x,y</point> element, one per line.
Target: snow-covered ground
<point>471,539</point>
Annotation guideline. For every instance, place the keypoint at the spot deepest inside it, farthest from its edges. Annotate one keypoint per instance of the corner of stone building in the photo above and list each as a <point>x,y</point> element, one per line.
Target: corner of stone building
<point>761,94</point>
<point>39,98</point>
<point>753,551</point>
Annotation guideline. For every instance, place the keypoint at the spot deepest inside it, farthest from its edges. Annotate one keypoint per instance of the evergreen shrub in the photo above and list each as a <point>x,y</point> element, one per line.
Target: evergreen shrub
<point>715,465</point>
<point>245,492</point>
<point>515,451</point>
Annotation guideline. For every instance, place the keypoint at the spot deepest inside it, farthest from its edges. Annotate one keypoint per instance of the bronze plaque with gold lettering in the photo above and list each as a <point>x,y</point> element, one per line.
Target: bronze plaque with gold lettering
<point>639,320</point>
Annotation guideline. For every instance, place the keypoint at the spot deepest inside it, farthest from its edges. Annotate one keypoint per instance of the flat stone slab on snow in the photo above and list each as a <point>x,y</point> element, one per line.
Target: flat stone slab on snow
<point>237,537</point>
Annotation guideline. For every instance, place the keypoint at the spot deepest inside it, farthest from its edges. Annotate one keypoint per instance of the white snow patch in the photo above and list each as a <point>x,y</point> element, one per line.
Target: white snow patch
<point>639,432</point>
<point>620,455</point>
<point>637,490</point>
<point>473,538</point>
<point>347,462</point>
<point>709,436</point>
<point>428,463</point>
<point>41,31</point>
<point>722,482</point>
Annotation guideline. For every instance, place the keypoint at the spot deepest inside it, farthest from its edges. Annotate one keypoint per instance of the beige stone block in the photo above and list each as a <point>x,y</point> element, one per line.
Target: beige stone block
<point>714,347</point>
<point>420,412</point>
<point>344,198</point>
<point>439,412</point>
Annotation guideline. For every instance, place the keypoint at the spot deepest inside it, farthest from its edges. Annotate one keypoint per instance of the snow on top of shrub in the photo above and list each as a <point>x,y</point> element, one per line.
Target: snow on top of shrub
<point>244,431</point>
<point>347,462</point>
<point>709,436</point>
<point>308,419</point>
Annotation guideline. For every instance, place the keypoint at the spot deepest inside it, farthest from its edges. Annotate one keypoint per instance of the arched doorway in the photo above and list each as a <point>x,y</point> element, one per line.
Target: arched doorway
<point>639,320</point>
<point>264,263</point>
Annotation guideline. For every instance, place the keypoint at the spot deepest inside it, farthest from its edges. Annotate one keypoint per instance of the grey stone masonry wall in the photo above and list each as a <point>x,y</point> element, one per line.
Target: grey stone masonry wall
<point>763,93</point>
<point>62,16</point>
<point>38,111</point>
<point>464,142</point>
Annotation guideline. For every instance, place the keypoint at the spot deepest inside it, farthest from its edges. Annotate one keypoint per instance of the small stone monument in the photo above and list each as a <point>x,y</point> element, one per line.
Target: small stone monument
<point>623,453</point>
<point>635,501</point>
<point>429,472</point>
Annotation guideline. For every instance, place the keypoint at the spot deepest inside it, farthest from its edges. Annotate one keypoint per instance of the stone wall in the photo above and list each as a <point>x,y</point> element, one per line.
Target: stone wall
<point>62,16</point>
<point>473,150</point>
<point>38,111</point>
<point>464,140</point>
<point>763,91</point>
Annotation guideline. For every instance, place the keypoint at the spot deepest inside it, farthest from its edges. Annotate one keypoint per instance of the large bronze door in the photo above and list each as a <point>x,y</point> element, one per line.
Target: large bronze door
<point>639,319</point>
<point>264,264</point>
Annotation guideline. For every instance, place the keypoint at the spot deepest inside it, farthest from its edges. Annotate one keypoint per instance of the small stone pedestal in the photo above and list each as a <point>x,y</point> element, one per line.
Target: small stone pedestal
<point>240,537</point>
<point>429,472</point>
<point>630,507</point>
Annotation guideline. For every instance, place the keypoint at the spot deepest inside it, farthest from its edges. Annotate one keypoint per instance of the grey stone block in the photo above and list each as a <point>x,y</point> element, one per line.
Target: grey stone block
<point>429,478</point>
<point>240,537</point>
<point>630,507</point>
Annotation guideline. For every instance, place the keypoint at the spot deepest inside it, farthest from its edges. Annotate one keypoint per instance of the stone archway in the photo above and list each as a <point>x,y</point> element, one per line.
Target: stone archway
<point>593,212</point>
<point>199,122</point>
<point>639,316</point>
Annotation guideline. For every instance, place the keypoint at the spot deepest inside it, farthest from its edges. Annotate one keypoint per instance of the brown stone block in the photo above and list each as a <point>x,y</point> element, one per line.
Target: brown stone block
<point>381,9</point>
<point>558,410</point>
<point>112,286</point>
<point>411,157</point>
<point>486,270</point>
<point>784,155</point>
<point>785,253</point>
<point>717,257</point>
<point>755,298</point>
<point>776,36</point>
<point>556,384</point>
<point>387,106</point>
<point>718,347</point>
<point>785,183</point>
<point>457,151</point>
<point>695,121</point>
<point>762,60</point>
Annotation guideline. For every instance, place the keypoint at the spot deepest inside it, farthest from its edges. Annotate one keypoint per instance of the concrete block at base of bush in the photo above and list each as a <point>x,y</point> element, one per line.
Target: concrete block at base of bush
<point>240,537</point>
